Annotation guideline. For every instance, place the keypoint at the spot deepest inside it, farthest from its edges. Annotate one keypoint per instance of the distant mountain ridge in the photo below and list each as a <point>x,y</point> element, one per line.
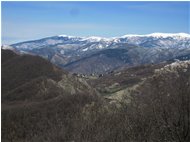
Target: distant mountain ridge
<point>77,53</point>
<point>129,38</point>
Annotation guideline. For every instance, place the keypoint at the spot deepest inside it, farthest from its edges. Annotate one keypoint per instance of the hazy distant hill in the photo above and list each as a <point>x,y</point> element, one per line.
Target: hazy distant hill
<point>112,59</point>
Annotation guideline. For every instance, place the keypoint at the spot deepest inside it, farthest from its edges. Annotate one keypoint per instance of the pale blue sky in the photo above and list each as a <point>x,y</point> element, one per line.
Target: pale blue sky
<point>32,20</point>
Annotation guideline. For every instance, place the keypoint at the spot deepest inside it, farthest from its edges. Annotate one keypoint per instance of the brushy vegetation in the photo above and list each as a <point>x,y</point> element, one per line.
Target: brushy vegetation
<point>158,111</point>
<point>156,114</point>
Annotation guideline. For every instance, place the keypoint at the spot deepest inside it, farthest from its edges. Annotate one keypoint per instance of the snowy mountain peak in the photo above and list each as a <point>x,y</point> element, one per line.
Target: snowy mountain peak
<point>154,35</point>
<point>159,35</point>
<point>88,38</point>
<point>169,35</point>
<point>7,47</point>
<point>96,38</point>
<point>93,38</point>
<point>67,36</point>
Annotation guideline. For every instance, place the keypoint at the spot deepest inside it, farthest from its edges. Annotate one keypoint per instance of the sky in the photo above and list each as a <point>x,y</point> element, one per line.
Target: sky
<point>22,21</point>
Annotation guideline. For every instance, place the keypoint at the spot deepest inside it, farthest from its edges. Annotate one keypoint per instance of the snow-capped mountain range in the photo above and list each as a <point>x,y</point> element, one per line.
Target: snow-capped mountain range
<point>67,51</point>
<point>164,40</point>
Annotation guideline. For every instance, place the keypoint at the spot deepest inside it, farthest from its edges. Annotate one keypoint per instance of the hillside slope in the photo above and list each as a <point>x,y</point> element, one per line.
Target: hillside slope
<point>143,103</point>
<point>29,79</point>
